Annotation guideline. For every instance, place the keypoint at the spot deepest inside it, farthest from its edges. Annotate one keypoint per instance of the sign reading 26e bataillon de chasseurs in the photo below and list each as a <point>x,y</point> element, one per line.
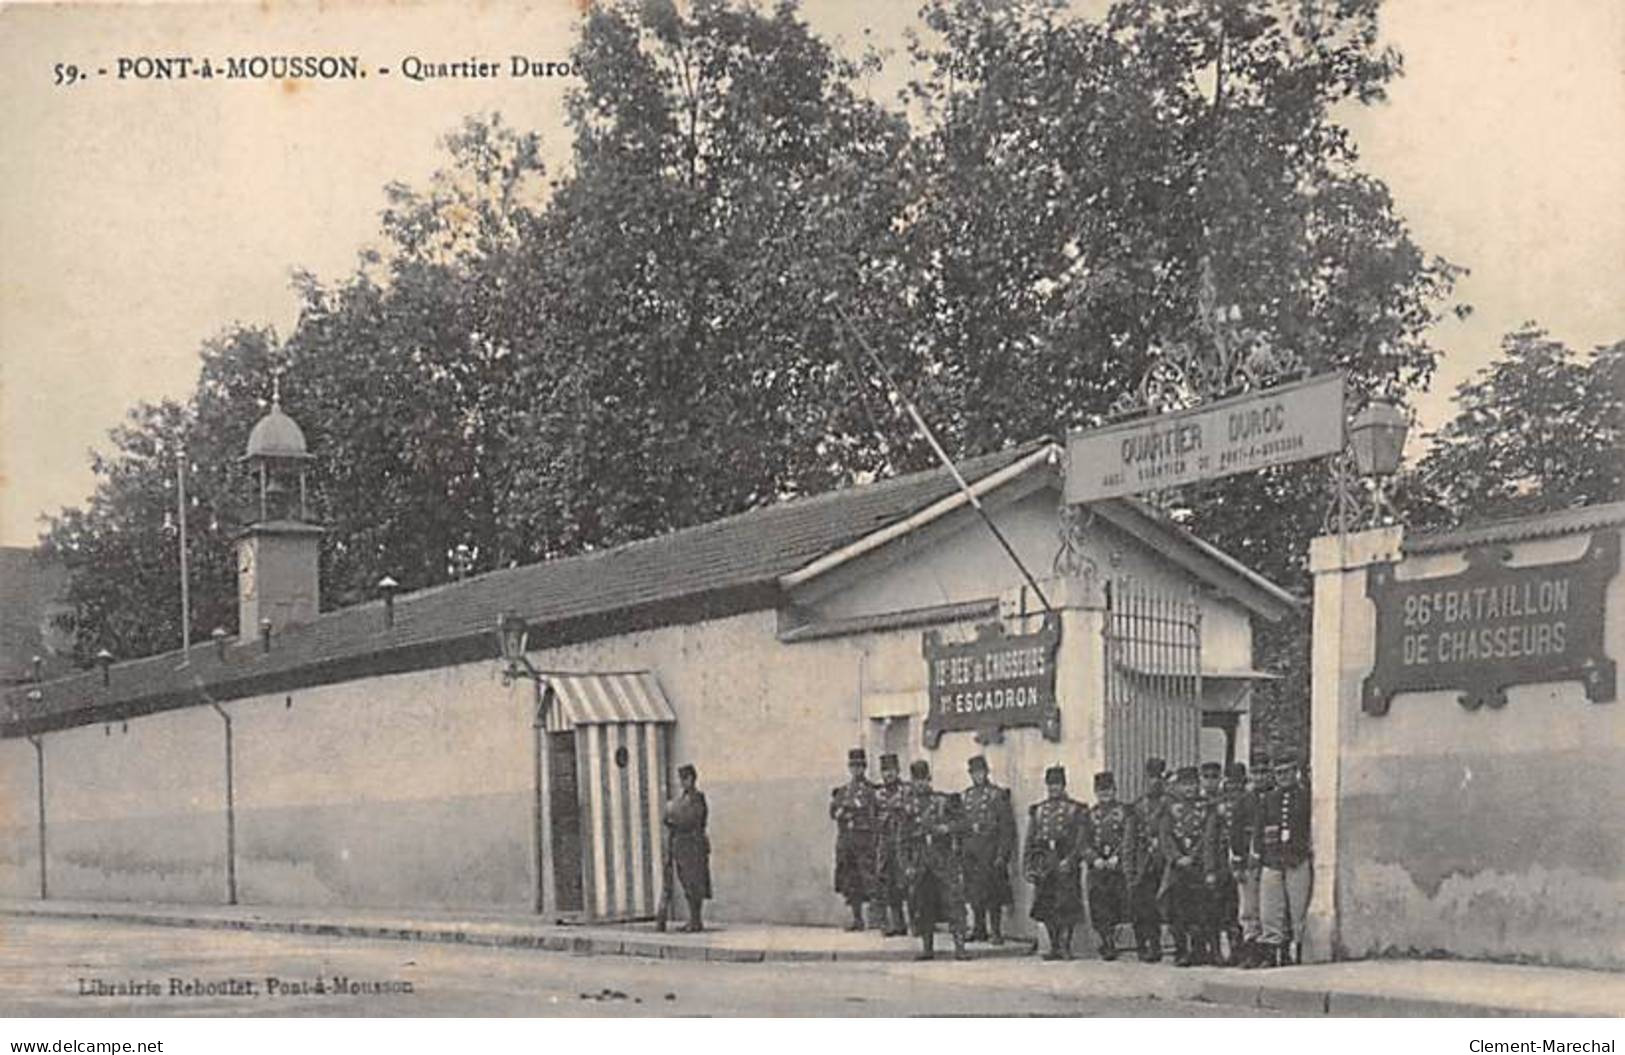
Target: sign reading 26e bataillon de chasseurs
<point>1274,426</point>
<point>1493,625</point>
<point>994,682</point>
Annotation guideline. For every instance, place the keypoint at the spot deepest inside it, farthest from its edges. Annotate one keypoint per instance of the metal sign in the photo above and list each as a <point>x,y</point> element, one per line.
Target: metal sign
<point>1491,626</point>
<point>996,681</point>
<point>1274,426</point>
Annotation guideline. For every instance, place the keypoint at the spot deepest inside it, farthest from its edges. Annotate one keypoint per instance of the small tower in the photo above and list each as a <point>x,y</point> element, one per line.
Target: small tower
<point>278,553</point>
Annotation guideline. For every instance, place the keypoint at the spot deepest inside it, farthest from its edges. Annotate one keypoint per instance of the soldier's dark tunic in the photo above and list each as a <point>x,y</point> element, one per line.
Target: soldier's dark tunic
<point>855,808</point>
<point>690,847</point>
<point>891,802</point>
<point>1057,840</point>
<point>1225,825</point>
<point>1146,871</point>
<point>1108,881</point>
<point>1184,888</point>
<point>990,839</point>
<point>1282,841</point>
<point>932,861</point>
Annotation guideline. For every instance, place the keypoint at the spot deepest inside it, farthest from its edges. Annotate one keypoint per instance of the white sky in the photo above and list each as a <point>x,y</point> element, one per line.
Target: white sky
<point>138,219</point>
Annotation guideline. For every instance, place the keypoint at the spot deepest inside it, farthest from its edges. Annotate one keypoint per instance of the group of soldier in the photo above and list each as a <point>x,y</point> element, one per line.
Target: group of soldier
<point>1220,861</point>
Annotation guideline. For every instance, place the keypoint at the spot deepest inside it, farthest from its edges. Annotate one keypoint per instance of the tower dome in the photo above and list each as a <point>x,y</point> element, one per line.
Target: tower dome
<point>276,436</point>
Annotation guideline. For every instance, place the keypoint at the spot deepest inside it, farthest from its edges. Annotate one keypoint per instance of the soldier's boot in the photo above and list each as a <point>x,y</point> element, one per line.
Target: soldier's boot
<point>897,925</point>
<point>1182,947</point>
<point>960,952</point>
<point>995,922</point>
<point>695,924</point>
<point>1154,943</point>
<point>1238,951</point>
<point>1054,934</point>
<point>857,915</point>
<point>1108,943</point>
<point>1066,942</point>
<point>1269,955</point>
<point>928,946</point>
<point>979,923</point>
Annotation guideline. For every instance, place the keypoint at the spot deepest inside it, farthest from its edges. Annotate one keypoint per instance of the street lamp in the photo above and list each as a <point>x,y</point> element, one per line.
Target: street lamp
<point>1377,437</point>
<point>104,660</point>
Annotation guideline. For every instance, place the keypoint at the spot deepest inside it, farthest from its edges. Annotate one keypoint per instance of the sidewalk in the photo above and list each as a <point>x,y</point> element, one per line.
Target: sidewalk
<point>1378,988</point>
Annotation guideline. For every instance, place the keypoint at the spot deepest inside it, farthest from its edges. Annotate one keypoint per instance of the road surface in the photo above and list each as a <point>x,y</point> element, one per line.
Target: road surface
<point>72,968</point>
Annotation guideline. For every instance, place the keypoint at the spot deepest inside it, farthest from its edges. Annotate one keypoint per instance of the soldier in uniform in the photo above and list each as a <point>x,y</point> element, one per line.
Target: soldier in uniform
<point>1146,863</point>
<point>1057,843</point>
<point>1183,891</point>
<point>1283,850</point>
<point>856,811</point>
<point>1219,853</point>
<point>990,839</point>
<point>1248,812</point>
<point>686,817</point>
<point>1108,882</point>
<point>933,864</point>
<point>891,799</point>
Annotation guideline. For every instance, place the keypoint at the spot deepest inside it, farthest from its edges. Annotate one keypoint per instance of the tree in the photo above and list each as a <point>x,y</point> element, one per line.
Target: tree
<point>1540,429</point>
<point>727,184</point>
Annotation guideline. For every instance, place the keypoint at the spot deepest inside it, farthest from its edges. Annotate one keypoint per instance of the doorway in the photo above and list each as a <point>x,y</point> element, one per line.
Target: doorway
<point>564,802</point>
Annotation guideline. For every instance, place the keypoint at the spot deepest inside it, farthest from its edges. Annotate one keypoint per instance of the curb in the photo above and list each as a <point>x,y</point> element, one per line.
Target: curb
<point>581,945</point>
<point>1306,1001</point>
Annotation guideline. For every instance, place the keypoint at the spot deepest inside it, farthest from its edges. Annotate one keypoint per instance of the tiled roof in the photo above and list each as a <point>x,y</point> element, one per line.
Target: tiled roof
<point>1520,529</point>
<point>727,566</point>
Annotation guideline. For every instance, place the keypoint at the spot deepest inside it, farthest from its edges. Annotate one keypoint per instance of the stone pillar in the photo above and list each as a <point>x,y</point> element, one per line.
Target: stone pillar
<point>1343,650</point>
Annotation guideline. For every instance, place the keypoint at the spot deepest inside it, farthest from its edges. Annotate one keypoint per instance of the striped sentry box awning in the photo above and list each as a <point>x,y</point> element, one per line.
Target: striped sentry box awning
<point>604,699</point>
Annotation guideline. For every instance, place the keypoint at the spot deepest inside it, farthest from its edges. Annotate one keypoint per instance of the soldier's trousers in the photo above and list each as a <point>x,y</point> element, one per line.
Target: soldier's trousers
<point>1247,894</point>
<point>1187,906</point>
<point>1108,900</point>
<point>1283,897</point>
<point>1145,910</point>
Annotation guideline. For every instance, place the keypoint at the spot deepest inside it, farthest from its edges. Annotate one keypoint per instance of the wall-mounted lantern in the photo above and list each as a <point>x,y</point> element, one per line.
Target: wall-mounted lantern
<point>512,634</point>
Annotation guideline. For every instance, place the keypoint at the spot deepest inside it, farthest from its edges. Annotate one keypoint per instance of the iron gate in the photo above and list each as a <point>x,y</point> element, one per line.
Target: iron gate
<point>1153,682</point>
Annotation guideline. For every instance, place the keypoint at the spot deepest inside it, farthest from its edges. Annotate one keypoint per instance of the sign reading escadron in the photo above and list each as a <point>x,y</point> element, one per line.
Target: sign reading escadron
<point>996,681</point>
<point>1274,426</point>
<point>1493,625</point>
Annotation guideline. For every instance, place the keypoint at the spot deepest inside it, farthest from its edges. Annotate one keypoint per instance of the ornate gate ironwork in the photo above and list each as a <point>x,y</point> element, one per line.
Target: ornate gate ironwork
<point>1153,651</point>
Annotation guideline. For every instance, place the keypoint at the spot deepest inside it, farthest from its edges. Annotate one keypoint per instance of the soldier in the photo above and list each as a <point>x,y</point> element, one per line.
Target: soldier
<point>990,839</point>
<point>1283,850</point>
<point>1057,842</point>
<point>1248,812</point>
<point>891,799</point>
<point>1182,891</point>
<point>1108,883</point>
<point>856,811</point>
<point>686,817</point>
<point>932,862</point>
<point>1219,853</point>
<point>1146,863</point>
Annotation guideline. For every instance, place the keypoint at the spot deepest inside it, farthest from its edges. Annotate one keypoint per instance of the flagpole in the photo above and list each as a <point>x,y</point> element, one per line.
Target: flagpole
<point>186,590</point>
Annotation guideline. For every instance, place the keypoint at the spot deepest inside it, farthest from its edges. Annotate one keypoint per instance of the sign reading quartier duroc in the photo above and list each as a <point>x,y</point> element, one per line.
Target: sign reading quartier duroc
<point>1272,426</point>
<point>995,681</point>
<point>1492,626</point>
